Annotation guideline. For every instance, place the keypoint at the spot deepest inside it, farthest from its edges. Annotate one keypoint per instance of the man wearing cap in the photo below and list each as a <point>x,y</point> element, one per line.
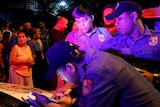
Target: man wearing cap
<point>104,85</point>
<point>136,43</point>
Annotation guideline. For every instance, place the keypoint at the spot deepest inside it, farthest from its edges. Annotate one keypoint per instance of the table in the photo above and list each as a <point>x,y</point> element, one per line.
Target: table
<point>11,94</point>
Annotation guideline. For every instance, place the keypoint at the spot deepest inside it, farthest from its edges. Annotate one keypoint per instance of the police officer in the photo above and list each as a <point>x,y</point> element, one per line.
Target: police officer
<point>136,43</point>
<point>87,35</point>
<point>104,85</point>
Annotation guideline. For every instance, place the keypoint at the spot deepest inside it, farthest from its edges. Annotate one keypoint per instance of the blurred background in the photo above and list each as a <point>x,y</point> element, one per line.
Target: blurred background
<point>48,10</point>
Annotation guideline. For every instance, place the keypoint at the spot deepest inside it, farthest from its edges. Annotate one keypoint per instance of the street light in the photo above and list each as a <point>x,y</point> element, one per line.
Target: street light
<point>62,3</point>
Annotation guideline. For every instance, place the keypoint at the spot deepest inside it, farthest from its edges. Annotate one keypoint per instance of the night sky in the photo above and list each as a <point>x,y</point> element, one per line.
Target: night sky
<point>102,3</point>
<point>144,4</point>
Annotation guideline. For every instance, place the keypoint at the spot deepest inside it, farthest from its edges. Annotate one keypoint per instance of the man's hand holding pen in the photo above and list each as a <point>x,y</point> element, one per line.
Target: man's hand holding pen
<point>146,74</point>
<point>60,100</point>
<point>64,97</point>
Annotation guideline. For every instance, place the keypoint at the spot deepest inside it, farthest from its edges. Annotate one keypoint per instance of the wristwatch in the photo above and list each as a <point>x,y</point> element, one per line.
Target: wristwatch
<point>155,75</point>
<point>156,78</point>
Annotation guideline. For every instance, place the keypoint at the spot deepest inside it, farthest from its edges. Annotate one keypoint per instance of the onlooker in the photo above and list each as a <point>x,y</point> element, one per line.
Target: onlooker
<point>38,57</point>
<point>17,26</point>
<point>21,61</point>
<point>5,43</point>
<point>3,74</point>
<point>6,27</point>
<point>40,43</point>
<point>35,46</point>
<point>57,32</point>
<point>87,35</point>
<point>104,85</point>
<point>136,43</point>
<point>27,26</point>
<point>109,24</point>
<point>74,26</point>
<point>12,41</point>
<point>44,35</point>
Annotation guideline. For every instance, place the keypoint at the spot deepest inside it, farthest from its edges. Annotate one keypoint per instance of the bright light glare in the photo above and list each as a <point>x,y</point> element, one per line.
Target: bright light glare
<point>62,3</point>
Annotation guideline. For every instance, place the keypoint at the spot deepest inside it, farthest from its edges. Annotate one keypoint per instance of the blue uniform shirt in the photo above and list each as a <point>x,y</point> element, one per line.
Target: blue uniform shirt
<point>143,53</point>
<point>110,81</point>
<point>97,39</point>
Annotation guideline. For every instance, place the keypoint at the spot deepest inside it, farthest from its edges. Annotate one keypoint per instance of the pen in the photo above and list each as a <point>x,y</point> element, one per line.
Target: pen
<point>62,94</point>
<point>67,92</point>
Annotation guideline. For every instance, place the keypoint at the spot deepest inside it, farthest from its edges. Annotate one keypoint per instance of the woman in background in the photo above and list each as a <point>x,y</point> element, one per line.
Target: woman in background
<point>39,68</point>
<point>21,61</point>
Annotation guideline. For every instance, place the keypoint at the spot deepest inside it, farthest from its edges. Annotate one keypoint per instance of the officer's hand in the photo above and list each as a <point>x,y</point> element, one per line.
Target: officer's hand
<point>58,92</point>
<point>61,92</point>
<point>34,103</point>
<point>41,99</point>
<point>146,74</point>
<point>67,100</point>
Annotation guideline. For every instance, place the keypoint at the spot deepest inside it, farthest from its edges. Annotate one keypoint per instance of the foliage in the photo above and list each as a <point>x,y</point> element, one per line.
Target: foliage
<point>54,7</point>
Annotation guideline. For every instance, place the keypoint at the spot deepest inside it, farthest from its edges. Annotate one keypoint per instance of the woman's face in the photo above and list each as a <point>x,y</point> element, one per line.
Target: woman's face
<point>22,39</point>
<point>84,24</point>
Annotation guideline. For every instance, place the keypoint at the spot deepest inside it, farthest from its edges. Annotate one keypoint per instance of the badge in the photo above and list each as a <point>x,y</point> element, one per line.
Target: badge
<point>87,86</point>
<point>153,40</point>
<point>101,37</point>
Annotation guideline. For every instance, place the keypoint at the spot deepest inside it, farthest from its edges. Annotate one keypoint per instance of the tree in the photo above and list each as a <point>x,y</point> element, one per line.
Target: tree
<point>55,7</point>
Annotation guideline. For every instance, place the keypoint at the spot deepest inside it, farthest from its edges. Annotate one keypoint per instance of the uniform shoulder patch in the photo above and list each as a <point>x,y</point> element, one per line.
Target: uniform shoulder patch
<point>101,37</point>
<point>87,86</point>
<point>153,40</point>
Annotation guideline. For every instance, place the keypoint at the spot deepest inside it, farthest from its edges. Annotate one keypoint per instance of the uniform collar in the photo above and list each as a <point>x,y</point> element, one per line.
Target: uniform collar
<point>147,31</point>
<point>90,34</point>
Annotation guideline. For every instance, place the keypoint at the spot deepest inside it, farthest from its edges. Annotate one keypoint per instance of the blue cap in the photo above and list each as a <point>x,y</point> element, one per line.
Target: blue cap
<point>57,55</point>
<point>124,6</point>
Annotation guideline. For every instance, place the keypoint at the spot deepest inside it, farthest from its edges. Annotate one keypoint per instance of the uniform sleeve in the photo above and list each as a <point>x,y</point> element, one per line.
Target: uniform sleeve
<point>98,91</point>
<point>109,46</point>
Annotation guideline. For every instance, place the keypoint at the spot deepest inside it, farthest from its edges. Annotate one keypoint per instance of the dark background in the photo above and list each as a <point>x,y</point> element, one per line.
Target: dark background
<point>7,12</point>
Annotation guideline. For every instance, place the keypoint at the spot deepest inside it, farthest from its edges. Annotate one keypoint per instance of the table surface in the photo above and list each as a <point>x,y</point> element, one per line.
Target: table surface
<point>18,91</point>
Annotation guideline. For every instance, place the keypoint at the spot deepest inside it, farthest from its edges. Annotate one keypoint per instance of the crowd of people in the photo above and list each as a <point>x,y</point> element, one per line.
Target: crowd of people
<point>116,65</point>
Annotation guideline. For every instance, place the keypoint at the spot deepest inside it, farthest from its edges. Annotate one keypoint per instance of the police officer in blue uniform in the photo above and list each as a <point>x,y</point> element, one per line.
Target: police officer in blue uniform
<point>87,35</point>
<point>136,43</point>
<point>109,81</point>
